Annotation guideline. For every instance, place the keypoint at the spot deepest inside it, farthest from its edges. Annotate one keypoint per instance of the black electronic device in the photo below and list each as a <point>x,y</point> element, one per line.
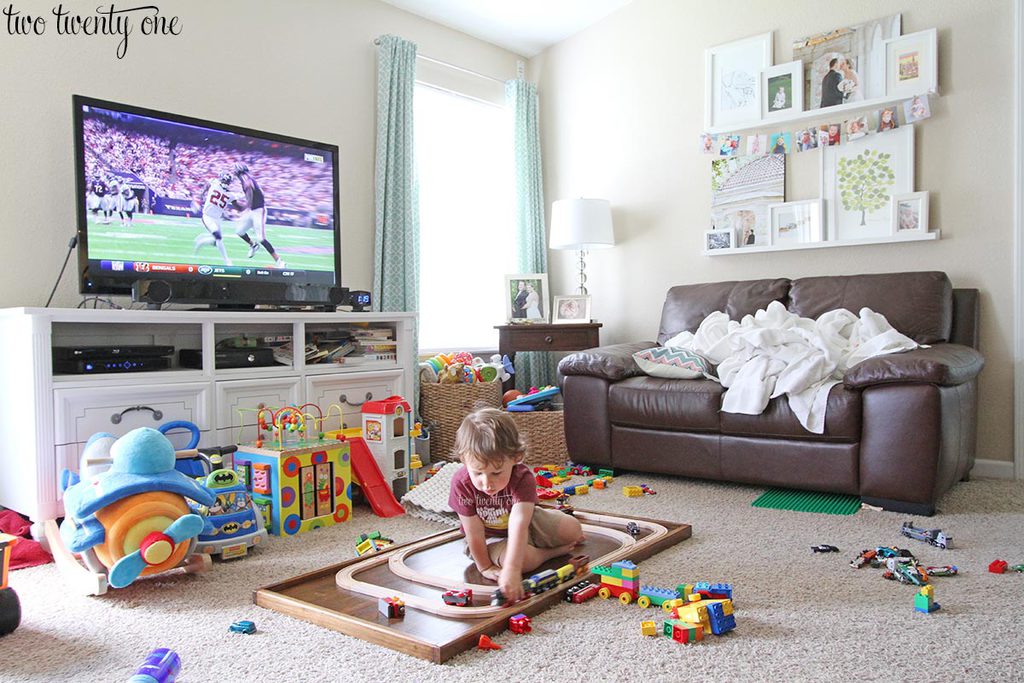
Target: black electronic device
<point>228,358</point>
<point>358,299</point>
<point>249,180</point>
<point>93,366</point>
<point>132,351</point>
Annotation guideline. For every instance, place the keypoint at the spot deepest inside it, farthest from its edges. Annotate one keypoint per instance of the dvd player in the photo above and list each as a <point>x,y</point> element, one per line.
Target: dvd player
<point>228,358</point>
<point>133,351</point>
<point>89,366</point>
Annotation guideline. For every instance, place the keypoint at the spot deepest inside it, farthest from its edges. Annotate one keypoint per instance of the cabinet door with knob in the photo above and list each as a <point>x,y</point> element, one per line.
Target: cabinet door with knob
<point>345,394</point>
<point>238,402</point>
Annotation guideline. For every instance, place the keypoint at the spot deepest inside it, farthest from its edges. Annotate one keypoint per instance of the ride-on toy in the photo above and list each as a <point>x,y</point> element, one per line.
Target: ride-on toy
<point>128,518</point>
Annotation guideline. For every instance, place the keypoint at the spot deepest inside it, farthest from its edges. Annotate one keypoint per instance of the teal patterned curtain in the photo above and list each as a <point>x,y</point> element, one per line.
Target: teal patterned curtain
<point>396,248</point>
<point>532,369</point>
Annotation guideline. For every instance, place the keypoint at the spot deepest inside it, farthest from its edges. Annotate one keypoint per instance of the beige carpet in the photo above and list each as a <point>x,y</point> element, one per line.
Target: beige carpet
<point>801,616</point>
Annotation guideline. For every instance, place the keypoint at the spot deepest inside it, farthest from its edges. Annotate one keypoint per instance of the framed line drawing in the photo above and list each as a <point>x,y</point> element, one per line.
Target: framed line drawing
<point>911,64</point>
<point>910,214</point>
<point>732,73</point>
<point>859,179</point>
<point>782,90</point>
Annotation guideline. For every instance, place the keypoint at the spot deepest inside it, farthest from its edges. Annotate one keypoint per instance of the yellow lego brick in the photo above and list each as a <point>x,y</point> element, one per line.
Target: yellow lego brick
<point>694,597</point>
<point>727,606</point>
<point>927,590</point>
<point>558,480</point>
<point>632,491</point>
<point>648,628</point>
<point>630,573</point>
<point>582,489</point>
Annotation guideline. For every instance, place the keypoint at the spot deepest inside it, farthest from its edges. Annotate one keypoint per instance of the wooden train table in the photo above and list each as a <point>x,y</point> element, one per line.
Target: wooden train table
<point>344,596</point>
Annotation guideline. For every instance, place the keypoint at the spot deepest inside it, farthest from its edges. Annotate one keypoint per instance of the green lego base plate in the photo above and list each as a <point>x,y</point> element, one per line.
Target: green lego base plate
<point>808,501</point>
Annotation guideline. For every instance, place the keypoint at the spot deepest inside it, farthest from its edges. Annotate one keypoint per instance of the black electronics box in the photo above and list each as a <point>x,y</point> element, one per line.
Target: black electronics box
<point>90,366</point>
<point>133,351</point>
<point>228,358</point>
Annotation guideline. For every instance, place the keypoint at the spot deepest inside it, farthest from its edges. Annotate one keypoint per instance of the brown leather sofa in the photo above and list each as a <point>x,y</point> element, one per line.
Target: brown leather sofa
<point>899,430</point>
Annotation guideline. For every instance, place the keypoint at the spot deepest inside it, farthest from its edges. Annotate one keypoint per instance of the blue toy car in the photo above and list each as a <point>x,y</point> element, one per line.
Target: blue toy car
<point>244,626</point>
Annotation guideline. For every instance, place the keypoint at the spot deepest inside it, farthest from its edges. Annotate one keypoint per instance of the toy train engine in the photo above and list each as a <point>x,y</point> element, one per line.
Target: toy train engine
<point>581,592</point>
<point>462,598</point>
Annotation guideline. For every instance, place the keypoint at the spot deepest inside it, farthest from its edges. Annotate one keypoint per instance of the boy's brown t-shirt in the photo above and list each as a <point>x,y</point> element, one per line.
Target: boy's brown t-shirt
<point>494,510</point>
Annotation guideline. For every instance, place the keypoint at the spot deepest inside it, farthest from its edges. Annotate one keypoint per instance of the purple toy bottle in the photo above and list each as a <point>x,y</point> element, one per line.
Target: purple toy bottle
<point>161,666</point>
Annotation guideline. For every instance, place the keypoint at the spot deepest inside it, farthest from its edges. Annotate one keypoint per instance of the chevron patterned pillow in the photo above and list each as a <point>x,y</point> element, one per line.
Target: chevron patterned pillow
<point>674,363</point>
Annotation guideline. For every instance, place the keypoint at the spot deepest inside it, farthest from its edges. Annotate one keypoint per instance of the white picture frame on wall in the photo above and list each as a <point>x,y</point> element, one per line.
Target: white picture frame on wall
<point>796,223</point>
<point>911,64</point>
<point>860,178</point>
<point>715,240</point>
<point>909,214</point>
<point>732,80</point>
<point>782,91</point>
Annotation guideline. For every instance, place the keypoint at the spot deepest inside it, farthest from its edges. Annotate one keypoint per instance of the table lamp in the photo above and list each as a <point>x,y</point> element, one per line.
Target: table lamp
<point>581,224</point>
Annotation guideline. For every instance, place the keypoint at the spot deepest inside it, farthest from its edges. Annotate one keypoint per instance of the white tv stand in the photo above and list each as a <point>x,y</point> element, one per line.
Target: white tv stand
<point>50,416</point>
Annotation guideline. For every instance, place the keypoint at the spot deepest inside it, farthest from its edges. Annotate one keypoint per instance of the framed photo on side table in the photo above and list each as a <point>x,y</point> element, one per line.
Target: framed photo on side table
<point>911,64</point>
<point>796,222</point>
<point>910,213</point>
<point>572,308</point>
<point>782,90</point>
<point>526,298</point>
<point>732,75</point>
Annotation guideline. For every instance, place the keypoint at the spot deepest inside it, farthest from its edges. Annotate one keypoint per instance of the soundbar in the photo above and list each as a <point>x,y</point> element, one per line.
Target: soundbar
<point>107,352</point>
<point>121,364</point>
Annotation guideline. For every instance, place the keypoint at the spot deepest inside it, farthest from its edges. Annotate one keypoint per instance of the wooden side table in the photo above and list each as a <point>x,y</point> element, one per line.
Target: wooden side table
<point>533,337</point>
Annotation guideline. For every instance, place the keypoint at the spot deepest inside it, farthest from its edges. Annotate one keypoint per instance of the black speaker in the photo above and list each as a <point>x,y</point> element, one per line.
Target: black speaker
<point>152,291</point>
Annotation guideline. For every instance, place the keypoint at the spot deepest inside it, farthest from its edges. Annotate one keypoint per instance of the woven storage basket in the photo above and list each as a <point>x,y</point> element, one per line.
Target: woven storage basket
<point>443,406</point>
<point>544,431</point>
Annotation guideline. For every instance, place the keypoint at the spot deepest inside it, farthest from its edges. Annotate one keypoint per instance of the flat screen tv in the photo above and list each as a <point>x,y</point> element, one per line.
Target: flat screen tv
<point>203,212</point>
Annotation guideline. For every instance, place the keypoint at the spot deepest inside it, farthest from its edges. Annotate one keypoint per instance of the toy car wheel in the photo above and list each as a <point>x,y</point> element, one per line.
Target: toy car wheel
<point>604,593</point>
<point>625,598</point>
<point>667,607</point>
<point>644,601</point>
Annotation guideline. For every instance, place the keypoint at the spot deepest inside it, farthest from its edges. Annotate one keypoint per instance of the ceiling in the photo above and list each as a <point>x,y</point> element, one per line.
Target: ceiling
<point>525,27</point>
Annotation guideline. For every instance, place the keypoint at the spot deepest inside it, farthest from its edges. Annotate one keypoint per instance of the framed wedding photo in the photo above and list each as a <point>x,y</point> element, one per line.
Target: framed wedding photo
<point>732,73</point>
<point>911,64</point>
<point>796,222</point>
<point>570,309</point>
<point>526,298</point>
<point>719,239</point>
<point>910,214</point>
<point>782,90</point>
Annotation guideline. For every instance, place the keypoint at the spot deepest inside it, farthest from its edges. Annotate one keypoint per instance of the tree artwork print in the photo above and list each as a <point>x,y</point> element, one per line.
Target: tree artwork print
<point>864,182</point>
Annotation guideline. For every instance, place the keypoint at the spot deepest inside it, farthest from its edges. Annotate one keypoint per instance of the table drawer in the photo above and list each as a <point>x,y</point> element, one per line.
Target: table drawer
<point>349,392</point>
<point>80,413</point>
<point>547,340</point>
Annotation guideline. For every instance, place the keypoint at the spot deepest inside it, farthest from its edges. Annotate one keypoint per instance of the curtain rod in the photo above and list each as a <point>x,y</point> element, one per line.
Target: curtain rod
<point>452,66</point>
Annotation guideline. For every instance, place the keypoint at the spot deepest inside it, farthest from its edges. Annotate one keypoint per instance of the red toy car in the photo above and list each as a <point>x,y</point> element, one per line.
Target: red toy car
<point>463,598</point>
<point>581,592</point>
<point>519,623</point>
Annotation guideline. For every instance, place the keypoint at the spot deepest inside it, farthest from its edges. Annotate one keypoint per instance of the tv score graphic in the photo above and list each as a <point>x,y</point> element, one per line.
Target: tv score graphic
<point>194,270</point>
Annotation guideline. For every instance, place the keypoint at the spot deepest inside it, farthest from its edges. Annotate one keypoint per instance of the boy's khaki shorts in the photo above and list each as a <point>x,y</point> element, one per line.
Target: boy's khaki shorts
<point>543,533</point>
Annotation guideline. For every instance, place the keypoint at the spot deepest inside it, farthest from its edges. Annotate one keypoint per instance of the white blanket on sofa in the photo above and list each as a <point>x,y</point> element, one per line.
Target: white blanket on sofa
<point>775,352</point>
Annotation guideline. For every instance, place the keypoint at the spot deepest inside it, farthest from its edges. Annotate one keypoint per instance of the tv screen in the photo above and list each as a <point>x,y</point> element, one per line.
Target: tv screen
<point>223,214</point>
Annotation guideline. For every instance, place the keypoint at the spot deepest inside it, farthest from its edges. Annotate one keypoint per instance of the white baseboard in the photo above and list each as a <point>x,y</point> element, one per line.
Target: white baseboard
<point>992,469</point>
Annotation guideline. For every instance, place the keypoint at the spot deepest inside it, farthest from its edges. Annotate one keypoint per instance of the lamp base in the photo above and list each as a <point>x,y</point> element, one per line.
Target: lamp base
<point>582,289</point>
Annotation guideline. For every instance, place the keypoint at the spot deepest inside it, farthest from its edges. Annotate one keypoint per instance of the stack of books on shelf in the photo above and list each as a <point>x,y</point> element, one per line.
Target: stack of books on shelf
<point>329,346</point>
<point>372,344</point>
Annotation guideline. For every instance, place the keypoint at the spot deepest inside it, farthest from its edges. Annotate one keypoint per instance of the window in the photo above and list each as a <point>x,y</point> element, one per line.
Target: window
<point>467,219</point>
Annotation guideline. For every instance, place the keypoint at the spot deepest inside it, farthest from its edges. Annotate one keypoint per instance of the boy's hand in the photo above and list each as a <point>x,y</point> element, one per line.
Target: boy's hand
<point>491,572</point>
<point>510,581</point>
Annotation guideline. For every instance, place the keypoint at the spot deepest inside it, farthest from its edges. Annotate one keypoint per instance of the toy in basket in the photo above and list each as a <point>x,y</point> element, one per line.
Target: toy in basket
<point>532,400</point>
<point>130,518</point>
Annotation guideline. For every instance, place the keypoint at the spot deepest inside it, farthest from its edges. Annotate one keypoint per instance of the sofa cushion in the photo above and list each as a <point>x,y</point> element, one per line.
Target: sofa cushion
<point>842,419</point>
<point>662,361</point>
<point>920,305</point>
<point>665,404</point>
<point>686,306</point>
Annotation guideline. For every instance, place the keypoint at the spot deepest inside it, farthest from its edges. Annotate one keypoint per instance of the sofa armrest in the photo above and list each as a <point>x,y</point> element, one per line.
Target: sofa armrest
<point>613,363</point>
<point>941,364</point>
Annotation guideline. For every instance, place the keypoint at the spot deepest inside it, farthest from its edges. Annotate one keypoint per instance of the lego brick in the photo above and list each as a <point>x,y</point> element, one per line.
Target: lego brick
<point>658,595</point>
<point>648,628</point>
<point>632,491</point>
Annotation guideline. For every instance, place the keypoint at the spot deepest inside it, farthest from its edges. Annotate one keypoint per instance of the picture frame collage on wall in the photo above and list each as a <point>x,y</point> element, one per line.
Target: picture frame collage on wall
<point>880,80</point>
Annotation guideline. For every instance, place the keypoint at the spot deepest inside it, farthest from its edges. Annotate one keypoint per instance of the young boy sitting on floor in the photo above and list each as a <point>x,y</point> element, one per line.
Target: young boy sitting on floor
<point>495,495</point>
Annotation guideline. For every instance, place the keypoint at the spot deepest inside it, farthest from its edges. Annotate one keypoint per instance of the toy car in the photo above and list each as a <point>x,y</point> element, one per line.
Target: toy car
<point>933,536</point>
<point>581,592</point>
<point>632,529</point>
<point>824,548</point>
<point>232,525</point>
<point>244,626</point>
<point>462,598</point>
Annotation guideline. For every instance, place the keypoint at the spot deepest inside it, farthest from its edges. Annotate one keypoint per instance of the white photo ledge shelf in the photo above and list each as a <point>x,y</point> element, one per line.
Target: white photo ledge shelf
<point>917,237</point>
<point>832,114</point>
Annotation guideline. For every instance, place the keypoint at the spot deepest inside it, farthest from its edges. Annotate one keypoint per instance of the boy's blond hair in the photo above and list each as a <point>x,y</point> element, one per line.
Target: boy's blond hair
<point>489,436</point>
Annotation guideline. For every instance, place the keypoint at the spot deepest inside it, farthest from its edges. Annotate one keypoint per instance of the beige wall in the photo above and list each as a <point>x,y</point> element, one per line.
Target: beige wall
<point>621,109</point>
<point>305,68</point>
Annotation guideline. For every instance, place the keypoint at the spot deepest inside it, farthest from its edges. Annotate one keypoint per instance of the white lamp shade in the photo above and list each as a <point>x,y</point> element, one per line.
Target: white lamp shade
<point>581,224</point>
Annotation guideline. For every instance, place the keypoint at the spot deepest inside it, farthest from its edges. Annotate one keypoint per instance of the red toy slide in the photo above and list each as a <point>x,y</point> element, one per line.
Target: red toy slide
<point>367,474</point>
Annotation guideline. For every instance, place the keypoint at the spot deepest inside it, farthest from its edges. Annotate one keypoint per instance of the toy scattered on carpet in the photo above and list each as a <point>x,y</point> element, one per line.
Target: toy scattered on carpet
<point>924,600</point>
<point>10,605</point>
<point>1002,566</point>
<point>520,623</point>
<point>371,543</point>
<point>934,537</point>
<point>485,643</point>
<point>132,519</point>
<point>161,666</point>
<point>243,626</point>
<point>824,548</point>
<point>581,592</point>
